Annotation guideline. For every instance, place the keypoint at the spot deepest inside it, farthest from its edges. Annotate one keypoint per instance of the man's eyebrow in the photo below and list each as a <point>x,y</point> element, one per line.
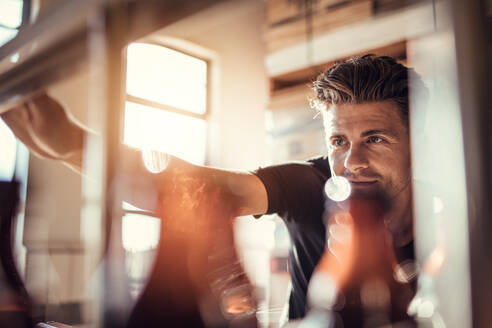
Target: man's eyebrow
<point>337,136</point>
<point>388,133</point>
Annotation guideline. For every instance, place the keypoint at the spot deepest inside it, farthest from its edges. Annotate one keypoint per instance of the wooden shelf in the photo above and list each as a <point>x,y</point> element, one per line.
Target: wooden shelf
<point>306,75</point>
<point>327,15</point>
<point>294,96</point>
<point>375,33</point>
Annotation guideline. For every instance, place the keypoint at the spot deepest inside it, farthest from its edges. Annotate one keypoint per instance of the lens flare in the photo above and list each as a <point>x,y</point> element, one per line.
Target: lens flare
<point>155,161</point>
<point>337,188</point>
<point>323,291</point>
<point>426,309</point>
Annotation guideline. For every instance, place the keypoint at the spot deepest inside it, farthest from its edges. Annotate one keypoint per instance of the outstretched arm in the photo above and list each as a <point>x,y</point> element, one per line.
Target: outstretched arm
<point>49,131</point>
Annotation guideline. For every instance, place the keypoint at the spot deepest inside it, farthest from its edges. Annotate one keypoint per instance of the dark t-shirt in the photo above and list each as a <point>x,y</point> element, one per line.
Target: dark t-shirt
<point>296,193</point>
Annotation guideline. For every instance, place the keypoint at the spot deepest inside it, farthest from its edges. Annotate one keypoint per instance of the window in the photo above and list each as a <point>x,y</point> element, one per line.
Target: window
<point>166,111</point>
<point>13,14</point>
<point>8,144</point>
<point>166,104</point>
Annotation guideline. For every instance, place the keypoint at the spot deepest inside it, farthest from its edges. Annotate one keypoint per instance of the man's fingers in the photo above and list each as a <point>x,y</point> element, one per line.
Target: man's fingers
<point>30,112</point>
<point>17,120</point>
<point>16,125</point>
<point>38,113</point>
<point>20,120</point>
<point>43,105</point>
<point>14,115</point>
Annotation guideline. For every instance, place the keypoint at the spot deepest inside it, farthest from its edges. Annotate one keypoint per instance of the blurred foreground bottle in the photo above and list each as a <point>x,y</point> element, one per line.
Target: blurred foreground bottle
<point>354,284</point>
<point>197,279</point>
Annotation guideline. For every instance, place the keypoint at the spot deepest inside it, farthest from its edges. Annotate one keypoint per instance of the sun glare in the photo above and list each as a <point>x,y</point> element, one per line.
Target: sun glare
<point>156,129</point>
<point>167,76</point>
<point>140,232</point>
<point>11,13</point>
<point>8,146</point>
<point>164,78</point>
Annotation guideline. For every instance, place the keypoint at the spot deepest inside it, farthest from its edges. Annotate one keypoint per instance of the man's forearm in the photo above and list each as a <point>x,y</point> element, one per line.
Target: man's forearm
<point>50,131</point>
<point>190,182</point>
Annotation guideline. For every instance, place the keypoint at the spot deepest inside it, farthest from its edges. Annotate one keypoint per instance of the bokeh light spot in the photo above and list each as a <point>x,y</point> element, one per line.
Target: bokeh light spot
<point>155,161</point>
<point>337,188</point>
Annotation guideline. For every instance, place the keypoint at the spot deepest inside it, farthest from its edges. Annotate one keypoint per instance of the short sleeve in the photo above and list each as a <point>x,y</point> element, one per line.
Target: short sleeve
<point>294,189</point>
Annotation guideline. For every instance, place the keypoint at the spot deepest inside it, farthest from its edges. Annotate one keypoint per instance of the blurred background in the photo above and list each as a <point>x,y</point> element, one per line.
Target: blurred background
<point>228,86</point>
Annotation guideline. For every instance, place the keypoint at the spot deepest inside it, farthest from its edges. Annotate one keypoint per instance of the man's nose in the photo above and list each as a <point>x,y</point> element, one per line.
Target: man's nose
<point>356,158</point>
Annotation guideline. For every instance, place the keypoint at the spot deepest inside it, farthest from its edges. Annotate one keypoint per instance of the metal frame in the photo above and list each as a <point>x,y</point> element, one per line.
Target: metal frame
<point>474,68</point>
<point>46,57</point>
<point>150,103</point>
<point>452,155</point>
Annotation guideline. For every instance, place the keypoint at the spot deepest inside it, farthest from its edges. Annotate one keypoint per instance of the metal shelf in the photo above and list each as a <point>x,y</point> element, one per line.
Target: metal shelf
<point>57,44</point>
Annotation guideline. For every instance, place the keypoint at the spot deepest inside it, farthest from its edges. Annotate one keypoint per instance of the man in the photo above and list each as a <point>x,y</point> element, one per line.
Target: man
<point>364,105</point>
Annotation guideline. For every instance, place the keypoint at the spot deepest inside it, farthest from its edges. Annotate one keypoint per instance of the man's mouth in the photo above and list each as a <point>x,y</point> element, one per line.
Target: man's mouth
<point>362,183</point>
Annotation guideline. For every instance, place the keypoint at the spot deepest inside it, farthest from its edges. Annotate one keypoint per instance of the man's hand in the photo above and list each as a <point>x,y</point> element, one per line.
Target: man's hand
<point>47,129</point>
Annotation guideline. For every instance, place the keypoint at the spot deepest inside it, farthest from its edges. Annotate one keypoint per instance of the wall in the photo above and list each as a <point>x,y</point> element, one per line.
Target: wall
<point>233,30</point>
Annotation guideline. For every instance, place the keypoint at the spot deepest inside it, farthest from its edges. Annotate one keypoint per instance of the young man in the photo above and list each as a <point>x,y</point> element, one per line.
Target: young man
<point>364,105</point>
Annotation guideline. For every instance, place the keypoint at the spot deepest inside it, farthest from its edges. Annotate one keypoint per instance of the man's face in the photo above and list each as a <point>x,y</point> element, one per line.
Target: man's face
<point>369,145</point>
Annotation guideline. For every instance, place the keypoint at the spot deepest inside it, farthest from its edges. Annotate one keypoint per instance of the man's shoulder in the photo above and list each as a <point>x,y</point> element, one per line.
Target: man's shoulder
<point>298,173</point>
<point>321,163</point>
<point>317,163</point>
<point>295,188</point>
<point>320,159</point>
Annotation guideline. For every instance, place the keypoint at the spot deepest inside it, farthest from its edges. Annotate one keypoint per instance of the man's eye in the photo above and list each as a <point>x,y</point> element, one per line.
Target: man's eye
<point>375,139</point>
<point>338,142</point>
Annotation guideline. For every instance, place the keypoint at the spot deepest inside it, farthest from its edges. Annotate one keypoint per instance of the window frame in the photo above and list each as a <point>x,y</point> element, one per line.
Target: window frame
<point>206,114</point>
<point>25,18</point>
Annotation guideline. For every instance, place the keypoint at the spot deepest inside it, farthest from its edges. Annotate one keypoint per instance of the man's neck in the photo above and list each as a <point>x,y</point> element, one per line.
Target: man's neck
<point>399,220</point>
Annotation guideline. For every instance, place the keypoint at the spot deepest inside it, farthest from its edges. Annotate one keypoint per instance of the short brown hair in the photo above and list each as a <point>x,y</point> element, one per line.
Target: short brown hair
<point>365,79</point>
